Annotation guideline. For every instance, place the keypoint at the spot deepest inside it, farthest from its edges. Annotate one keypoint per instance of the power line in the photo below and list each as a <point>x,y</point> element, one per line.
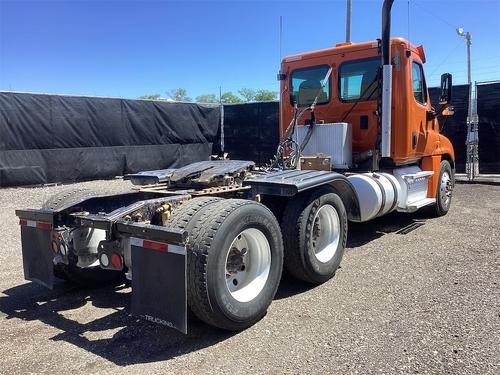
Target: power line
<point>434,15</point>
<point>483,64</point>
<point>476,71</point>
<point>446,58</point>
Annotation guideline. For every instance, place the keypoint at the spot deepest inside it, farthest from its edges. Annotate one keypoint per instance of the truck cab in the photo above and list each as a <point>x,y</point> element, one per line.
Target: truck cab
<point>353,95</point>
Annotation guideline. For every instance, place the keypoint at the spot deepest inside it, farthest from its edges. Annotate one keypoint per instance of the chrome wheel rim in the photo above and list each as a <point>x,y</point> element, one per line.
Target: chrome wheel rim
<point>445,188</point>
<point>325,233</point>
<point>248,262</point>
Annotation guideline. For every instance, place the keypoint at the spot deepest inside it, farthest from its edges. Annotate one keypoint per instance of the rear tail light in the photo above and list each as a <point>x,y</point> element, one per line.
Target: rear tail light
<point>111,261</point>
<point>116,261</point>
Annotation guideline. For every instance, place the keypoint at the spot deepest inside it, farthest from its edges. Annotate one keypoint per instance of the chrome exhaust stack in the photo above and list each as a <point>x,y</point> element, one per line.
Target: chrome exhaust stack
<point>386,79</point>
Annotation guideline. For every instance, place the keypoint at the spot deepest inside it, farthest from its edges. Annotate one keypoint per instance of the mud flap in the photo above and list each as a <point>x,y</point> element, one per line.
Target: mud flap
<point>36,240</point>
<point>159,290</point>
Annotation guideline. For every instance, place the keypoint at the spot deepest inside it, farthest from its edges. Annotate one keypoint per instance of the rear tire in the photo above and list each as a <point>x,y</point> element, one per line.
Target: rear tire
<point>235,260</point>
<point>91,276</point>
<point>185,216</point>
<point>314,234</point>
<point>65,197</point>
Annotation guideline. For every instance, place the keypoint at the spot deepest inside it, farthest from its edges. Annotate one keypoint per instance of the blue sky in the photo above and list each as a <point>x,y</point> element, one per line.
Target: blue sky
<point>132,48</point>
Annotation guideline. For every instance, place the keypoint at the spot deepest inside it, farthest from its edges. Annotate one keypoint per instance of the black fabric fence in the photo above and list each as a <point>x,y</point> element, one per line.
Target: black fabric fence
<point>488,110</point>
<point>455,127</point>
<point>54,138</point>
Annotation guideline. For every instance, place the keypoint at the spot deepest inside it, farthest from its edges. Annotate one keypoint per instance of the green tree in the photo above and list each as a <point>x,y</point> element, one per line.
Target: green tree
<point>179,95</point>
<point>230,98</point>
<point>265,95</point>
<point>150,97</point>
<point>247,94</point>
<point>207,98</point>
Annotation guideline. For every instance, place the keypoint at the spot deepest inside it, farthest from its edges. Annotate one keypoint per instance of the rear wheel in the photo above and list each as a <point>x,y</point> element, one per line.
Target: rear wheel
<point>87,276</point>
<point>235,259</point>
<point>314,233</point>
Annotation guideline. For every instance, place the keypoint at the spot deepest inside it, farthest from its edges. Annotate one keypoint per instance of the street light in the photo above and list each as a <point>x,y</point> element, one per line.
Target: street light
<point>468,39</point>
<point>472,142</point>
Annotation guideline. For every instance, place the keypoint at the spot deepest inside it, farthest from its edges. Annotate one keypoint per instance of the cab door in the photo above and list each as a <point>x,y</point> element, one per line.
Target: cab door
<point>421,105</point>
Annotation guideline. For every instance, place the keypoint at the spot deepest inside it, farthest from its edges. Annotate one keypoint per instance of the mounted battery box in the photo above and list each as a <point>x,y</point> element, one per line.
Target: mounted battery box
<point>333,139</point>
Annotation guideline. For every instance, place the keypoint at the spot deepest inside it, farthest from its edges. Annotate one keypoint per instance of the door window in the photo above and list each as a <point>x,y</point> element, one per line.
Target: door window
<point>419,88</point>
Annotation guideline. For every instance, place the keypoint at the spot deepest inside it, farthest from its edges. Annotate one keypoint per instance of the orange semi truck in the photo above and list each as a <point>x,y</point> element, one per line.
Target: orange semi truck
<point>359,139</point>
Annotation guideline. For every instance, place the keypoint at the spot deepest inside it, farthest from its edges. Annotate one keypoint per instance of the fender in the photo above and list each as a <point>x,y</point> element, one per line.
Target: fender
<point>291,182</point>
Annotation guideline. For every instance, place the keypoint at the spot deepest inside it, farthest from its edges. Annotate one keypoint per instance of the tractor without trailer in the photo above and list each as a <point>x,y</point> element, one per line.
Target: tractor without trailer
<point>359,139</point>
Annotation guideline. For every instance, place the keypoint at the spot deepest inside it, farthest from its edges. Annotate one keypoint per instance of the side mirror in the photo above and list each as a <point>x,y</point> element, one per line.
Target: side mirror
<point>446,86</point>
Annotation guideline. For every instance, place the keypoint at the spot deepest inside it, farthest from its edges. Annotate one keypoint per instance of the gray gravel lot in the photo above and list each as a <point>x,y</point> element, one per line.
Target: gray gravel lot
<point>423,302</point>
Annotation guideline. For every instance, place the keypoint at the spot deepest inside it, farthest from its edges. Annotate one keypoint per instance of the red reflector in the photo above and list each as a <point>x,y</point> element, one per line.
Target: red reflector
<point>44,226</point>
<point>23,222</point>
<point>153,245</point>
<point>116,261</point>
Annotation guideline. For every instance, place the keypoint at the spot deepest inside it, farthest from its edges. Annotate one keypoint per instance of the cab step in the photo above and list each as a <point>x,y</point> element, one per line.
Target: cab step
<point>413,182</point>
<point>414,206</point>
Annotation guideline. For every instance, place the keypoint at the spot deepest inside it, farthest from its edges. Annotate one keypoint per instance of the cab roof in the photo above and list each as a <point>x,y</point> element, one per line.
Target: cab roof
<point>349,47</point>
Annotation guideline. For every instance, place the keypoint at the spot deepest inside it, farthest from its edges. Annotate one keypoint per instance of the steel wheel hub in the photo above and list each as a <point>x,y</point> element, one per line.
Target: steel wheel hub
<point>445,187</point>
<point>325,233</point>
<point>248,262</point>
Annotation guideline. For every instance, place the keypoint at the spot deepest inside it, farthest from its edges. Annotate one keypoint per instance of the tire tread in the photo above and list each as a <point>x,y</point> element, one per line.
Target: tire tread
<point>293,216</point>
<point>203,234</point>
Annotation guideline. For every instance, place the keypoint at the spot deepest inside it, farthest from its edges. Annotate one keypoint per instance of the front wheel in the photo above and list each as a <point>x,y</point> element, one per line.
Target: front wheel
<point>235,259</point>
<point>444,189</point>
<point>314,228</point>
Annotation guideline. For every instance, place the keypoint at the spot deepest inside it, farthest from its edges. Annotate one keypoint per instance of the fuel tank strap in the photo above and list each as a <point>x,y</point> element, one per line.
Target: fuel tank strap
<point>382,191</point>
<point>396,194</point>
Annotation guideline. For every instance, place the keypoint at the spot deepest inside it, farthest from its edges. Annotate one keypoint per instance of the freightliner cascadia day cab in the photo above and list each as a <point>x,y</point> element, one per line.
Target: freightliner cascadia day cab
<point>359,139</point>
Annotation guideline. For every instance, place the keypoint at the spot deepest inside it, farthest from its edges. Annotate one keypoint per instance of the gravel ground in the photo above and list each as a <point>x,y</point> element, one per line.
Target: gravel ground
<point>423,302</point>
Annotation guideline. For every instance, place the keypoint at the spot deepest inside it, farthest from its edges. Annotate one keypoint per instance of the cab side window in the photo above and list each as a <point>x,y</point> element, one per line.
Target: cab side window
<point>306,85</point>
<point>358,80</point>
<point>419,88</point>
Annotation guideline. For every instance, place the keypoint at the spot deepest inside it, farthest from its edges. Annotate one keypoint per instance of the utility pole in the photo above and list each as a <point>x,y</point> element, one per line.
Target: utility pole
<point>348,22</point>
<point>221,107</point>
<point>472,142</point>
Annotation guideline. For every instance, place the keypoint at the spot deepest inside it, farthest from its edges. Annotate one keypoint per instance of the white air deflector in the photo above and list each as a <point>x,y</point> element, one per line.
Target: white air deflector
<point>333,140</point>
